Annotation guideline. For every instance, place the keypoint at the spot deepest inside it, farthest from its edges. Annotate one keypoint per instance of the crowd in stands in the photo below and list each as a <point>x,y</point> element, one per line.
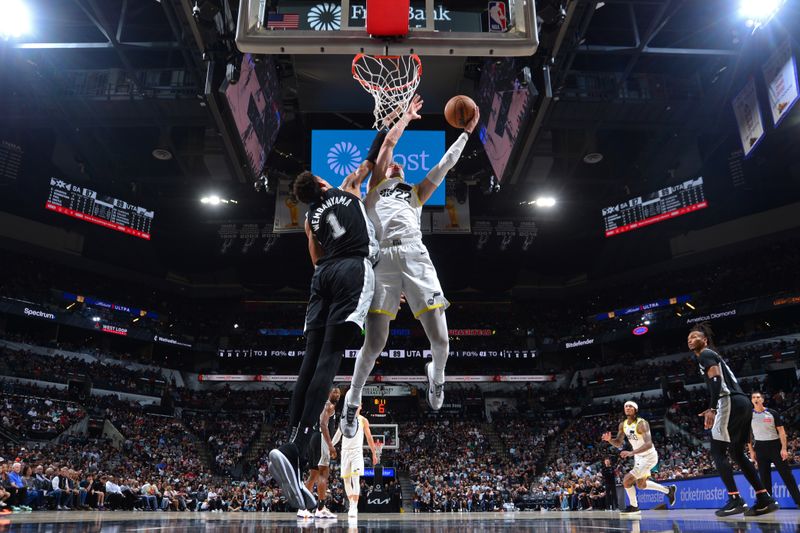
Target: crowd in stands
<point>627,376</point>
<point>108,375</point>
<point>461,471</point>
<point>542,450</point>
<point>568,314</point>
<point>37,418</point>
<point>29,417</point>
<point>227,437</point>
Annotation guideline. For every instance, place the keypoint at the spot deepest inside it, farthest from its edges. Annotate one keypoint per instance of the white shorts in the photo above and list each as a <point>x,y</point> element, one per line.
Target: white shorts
<point>644,463</point>
<point>352,463</point>
<point>406,268</point>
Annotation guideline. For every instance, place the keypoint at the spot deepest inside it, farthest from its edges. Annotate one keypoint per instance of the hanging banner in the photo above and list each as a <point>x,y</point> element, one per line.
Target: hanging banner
<point>289,213</point>
<point>386,390</point>
<point>780,75</point>
<point>748,117</point>
<point>454,218</point>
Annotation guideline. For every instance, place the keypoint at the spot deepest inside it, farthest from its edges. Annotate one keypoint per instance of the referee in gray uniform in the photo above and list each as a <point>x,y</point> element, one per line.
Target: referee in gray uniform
<point>769,446</point>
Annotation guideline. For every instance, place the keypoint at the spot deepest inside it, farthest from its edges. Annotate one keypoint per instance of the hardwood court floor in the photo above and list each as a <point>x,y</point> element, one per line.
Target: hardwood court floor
<point>591,521</point>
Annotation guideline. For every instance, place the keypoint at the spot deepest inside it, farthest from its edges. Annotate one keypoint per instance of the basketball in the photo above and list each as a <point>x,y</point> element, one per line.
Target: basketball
<point>459,111</point>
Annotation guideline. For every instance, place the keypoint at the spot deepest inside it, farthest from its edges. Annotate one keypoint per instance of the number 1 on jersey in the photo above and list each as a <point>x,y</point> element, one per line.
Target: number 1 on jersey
<point>336,228</point>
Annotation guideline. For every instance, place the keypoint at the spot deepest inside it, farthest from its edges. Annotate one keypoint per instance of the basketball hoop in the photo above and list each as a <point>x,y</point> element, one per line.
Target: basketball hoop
<point>392,82</point>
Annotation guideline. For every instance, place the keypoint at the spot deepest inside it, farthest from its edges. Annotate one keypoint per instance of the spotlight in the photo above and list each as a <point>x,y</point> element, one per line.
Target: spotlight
<point>236,326</point>
<point>95,319</point>
<point>216,200</point>
<point>759,12</point>
<point>16,19</point>
<point>545,201</point>
<point>689,305</point>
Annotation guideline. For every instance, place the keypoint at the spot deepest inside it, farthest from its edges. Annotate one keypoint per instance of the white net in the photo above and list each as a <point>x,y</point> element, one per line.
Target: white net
<point>392,82</point>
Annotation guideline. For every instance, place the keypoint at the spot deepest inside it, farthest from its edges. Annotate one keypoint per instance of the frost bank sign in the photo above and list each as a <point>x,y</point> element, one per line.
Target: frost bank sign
<point>337,153</point>
<point>328,16</point>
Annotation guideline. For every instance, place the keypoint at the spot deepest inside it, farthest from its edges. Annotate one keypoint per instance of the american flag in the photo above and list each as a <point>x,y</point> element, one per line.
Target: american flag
<point>283,21</point>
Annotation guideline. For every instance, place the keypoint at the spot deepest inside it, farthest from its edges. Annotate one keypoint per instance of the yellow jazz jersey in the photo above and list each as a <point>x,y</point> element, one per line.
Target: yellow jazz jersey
<point>632,433</point>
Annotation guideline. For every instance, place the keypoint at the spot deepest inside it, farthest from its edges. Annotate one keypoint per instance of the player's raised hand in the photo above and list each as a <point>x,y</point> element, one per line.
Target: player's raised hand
<point>606,436</point>
<point>414,108</point>
<point>476,115</point>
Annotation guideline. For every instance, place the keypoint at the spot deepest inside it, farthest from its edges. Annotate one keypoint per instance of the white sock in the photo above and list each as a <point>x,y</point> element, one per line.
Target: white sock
<point>435,325</point>
<point>652,485</point>
<point>632,496</point>
<point>377,332</point>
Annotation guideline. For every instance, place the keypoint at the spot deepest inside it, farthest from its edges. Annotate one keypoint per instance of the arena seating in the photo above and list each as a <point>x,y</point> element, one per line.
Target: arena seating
<point>542,449</point>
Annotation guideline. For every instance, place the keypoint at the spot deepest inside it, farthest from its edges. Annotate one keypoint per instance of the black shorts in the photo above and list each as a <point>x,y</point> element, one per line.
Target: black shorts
<point>319,455</point>
<point>732,423</point>
<point>341,291</point>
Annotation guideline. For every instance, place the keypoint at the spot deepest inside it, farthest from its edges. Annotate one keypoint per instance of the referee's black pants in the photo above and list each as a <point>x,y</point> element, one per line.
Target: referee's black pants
<point>768,452</point>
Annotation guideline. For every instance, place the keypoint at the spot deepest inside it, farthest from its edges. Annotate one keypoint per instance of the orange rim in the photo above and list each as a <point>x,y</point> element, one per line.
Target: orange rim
<point>378,88</point>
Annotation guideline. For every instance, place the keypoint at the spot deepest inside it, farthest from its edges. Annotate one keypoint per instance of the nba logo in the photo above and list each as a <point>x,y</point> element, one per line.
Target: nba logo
<point>498,20</point>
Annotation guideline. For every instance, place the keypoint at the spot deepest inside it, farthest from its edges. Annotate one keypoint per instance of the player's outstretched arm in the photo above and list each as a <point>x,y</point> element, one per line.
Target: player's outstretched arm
<point>352,183</point>
<point>616,441</point>
<point>314,247</point>
<point>370,440</point>
<point>437,174</point>
<point>386,153</point>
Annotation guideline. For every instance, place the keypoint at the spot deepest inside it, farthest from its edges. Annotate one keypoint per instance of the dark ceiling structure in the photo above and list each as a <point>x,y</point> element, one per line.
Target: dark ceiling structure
<point>646,84</point>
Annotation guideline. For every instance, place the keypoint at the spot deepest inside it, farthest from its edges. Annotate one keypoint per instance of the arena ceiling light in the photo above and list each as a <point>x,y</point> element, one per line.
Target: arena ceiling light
<point>15,20</point>
<point>541,201</point>
<point>759,12</point>
<point>545,201</point>
<point>214,199</point>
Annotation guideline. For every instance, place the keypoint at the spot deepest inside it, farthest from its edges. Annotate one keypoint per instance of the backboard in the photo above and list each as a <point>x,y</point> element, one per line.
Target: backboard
<point>437,28</point>
<point>388,434</point>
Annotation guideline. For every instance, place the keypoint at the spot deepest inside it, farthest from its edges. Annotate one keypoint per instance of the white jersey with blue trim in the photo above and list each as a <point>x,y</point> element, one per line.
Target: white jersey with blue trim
<point>395,210</point>
<point>356,443</point>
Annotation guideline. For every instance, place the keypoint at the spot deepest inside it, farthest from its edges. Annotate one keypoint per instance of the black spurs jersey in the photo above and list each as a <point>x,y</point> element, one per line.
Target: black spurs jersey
<point>333,422</point>
<point>340,224</point>
<point>709,358</point>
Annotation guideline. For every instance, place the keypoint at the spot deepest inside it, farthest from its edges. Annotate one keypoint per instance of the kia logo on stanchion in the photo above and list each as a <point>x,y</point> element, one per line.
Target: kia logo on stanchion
<point>344,158</point>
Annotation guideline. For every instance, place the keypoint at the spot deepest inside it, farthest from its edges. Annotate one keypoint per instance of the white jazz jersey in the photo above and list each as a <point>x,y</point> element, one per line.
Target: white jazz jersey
<point>395,210</point>
<point>353,453</point>
<point>644,462</point>
<point>357,441</point>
